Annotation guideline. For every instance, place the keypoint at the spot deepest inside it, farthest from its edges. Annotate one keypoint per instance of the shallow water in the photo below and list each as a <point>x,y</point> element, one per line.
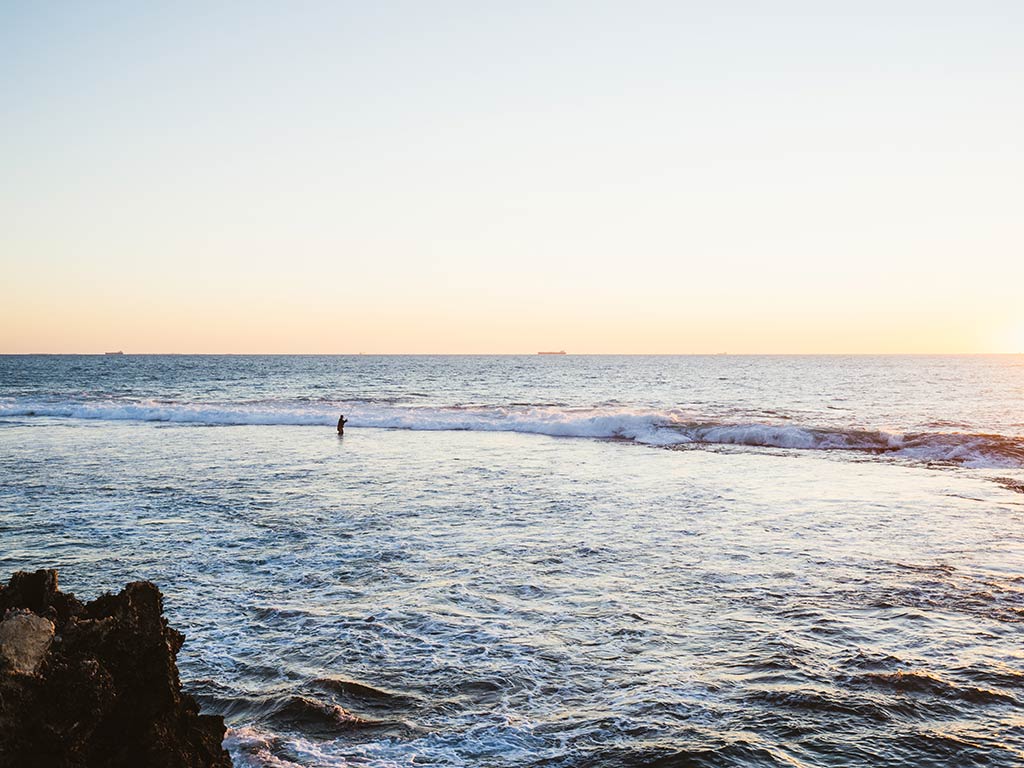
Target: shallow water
<point>479,597</point>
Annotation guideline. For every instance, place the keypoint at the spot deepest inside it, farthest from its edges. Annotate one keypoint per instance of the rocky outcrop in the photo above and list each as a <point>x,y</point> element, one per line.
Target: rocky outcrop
<point>96,685</point>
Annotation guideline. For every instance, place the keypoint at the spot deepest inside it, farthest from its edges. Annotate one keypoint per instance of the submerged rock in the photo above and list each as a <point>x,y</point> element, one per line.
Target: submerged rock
<point>96,685</point>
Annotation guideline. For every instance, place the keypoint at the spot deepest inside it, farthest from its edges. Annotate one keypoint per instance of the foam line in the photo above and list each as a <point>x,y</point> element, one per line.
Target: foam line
<point>652,427</point>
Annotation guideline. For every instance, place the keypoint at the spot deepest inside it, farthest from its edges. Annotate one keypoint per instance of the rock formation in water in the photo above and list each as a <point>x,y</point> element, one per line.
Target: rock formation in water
<point>96,685</point>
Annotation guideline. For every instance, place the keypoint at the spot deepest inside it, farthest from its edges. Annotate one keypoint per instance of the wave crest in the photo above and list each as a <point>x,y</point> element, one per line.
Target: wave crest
<point>665,428</point>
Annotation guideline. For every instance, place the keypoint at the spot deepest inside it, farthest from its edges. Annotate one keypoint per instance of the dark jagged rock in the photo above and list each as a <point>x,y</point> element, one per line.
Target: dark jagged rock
<point>96,685</point>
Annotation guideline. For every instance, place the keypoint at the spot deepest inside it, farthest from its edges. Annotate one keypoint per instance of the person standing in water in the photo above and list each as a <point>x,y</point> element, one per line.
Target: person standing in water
<point>342,421</point>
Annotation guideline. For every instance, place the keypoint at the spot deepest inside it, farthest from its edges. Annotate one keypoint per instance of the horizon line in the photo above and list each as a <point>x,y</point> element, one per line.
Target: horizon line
<point>508,354</point>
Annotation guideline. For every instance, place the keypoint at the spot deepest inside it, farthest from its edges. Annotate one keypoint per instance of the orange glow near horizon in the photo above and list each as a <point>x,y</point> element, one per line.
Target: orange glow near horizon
<point>324,326</point>
<point>1012,339</point>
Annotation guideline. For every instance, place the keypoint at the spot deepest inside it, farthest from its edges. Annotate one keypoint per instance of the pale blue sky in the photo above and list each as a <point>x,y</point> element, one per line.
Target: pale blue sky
<point>648,177</point>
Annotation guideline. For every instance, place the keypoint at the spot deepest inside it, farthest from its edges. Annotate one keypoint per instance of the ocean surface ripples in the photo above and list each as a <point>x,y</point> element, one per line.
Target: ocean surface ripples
<point>472,598</point>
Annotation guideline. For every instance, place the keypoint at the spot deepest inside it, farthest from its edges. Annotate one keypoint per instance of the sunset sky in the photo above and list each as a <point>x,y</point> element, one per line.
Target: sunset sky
<point>510,177</point>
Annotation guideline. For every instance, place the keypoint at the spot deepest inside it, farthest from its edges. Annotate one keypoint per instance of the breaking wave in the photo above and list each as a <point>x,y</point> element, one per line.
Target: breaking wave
<point>665,428</point>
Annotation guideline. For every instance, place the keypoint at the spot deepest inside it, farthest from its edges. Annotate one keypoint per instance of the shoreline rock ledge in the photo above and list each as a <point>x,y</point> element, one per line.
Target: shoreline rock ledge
<point>96,685</point>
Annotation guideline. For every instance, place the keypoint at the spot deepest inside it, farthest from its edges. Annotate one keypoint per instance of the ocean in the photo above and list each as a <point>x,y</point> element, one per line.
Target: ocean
<point>550,560</point>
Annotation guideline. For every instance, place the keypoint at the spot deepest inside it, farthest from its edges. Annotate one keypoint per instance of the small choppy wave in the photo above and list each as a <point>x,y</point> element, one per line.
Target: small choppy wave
<point>666,428</point>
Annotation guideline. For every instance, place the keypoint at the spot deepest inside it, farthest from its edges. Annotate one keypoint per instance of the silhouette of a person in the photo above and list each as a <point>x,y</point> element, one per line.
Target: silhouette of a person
<point>342,421</point>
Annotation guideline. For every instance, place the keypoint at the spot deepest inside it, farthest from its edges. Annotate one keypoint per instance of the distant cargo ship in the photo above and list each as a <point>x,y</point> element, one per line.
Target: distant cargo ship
<point>119,352</point>
<point>560,352</point>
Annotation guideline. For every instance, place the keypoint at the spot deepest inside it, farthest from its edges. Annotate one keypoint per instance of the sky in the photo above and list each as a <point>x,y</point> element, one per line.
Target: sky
<point>484,177</point>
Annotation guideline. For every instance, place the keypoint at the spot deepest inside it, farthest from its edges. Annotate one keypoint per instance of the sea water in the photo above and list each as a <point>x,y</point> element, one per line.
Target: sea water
<point>547,560</point>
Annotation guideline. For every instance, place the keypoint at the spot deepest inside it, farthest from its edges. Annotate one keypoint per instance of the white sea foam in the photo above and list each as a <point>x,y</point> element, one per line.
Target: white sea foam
<point>643,426</point>
<point>498,736</point>
<point>666,428</point>
<point>250,748</point>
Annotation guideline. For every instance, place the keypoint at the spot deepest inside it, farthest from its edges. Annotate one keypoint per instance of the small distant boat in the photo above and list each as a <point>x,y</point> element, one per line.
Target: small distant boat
<point>119,352</point>
<point>560,352</point>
